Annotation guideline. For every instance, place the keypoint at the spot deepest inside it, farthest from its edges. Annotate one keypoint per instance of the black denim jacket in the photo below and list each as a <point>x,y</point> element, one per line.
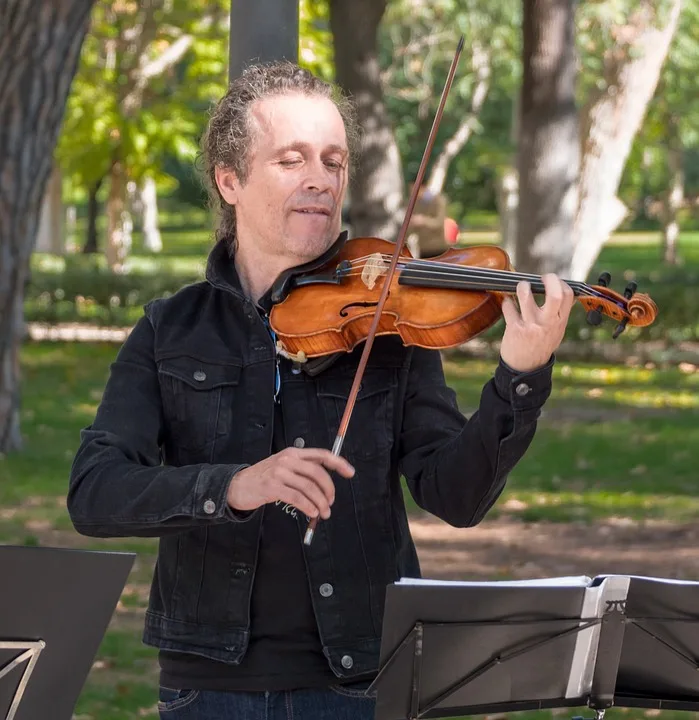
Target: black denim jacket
<point>189,402</point>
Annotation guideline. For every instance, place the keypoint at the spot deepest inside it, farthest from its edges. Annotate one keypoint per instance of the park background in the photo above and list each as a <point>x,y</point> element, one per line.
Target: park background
<point>569,137</point>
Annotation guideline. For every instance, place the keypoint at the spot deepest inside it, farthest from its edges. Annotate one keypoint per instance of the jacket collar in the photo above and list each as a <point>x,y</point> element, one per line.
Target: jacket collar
<point>221,272</point>
<point>220,268</point>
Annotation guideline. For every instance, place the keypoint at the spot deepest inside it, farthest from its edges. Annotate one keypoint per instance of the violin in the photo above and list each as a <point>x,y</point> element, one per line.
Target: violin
<point>368,286</point>
<point>437,303</point>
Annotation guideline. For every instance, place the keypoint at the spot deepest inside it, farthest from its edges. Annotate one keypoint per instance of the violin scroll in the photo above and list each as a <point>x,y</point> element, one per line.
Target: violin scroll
<point>635,309</point>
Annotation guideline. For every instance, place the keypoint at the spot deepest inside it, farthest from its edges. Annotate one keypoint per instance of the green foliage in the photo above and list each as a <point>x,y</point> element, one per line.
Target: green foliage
<point>673,115</point>
<point>606,31</point>
<point>417,43</point>
<point>315,38</point>
<point>147,72</point>
<point>84,289</point>
<point>604,38</point>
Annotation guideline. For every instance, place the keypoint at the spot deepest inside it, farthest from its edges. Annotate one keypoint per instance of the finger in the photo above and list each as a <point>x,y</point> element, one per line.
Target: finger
<point>527,305</point>
<point>296,498</point>
<point>553,306</point>
<point>569,296</point>
<point>311,489</point>
<point>315,472</point>
<point>328,460</point>
<point>509,311</point>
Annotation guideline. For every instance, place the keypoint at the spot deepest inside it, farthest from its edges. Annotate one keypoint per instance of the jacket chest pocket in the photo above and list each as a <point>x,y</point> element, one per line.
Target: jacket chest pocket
<point>198,397</point>
<point>370,429</point>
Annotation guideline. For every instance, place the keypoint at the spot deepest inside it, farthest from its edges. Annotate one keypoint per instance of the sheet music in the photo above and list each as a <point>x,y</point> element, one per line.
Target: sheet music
<point>565,581</point>
<point>666,581</point>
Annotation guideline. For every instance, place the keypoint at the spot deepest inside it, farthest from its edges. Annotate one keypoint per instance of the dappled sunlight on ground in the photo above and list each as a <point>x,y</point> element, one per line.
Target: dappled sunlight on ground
<point>505,548</point>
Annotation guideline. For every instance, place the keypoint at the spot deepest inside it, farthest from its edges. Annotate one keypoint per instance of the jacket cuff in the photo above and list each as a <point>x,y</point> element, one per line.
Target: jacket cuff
<point>211,491</point>
<point>524,390</point>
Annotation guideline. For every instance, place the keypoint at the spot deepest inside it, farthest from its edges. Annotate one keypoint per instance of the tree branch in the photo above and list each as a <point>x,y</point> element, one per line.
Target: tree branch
<point>482,71</point>
<point>169,57</point>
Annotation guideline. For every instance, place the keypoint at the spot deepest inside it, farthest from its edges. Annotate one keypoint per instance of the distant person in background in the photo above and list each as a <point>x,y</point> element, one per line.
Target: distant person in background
<point>427,232</point>
<point>451,231</point>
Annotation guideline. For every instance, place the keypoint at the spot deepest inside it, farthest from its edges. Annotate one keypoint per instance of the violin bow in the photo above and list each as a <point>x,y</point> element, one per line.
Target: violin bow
<point>342,430</point>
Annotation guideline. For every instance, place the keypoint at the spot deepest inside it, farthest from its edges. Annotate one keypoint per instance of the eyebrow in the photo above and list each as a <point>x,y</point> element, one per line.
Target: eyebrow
<point>304,146</point>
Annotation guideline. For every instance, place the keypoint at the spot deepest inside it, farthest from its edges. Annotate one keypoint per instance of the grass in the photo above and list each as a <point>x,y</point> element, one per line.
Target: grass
<point>609,440</point>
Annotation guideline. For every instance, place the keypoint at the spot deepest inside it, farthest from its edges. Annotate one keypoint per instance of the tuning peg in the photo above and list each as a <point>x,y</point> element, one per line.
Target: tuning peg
<point>620,328</point>
<point>594,317</point>
<point>604,279</point>
<point>630,290</point>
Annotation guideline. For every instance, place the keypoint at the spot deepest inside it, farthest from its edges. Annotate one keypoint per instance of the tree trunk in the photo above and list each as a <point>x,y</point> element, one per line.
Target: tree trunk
<point>549,146</point>
<point>377,189</point>
<point>93,208</point>
<point>149,203</point>
<point>50,236</point>
<point>674,197</point>
<point>508,201</point>
<point>39,49</point>
<point>610,125</point>
<point>507,191</point>
<point>118,220</point>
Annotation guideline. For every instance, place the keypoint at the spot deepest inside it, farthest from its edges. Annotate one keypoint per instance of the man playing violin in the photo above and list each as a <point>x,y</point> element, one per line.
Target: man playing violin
<point>211,441</point>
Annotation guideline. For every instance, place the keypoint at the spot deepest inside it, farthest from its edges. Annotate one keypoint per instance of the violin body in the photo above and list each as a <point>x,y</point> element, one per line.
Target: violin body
<point>319,319</point>
<point>437,303</point>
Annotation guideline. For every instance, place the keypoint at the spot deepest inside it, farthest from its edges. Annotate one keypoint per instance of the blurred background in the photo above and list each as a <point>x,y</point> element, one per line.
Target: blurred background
<point>570,137</point>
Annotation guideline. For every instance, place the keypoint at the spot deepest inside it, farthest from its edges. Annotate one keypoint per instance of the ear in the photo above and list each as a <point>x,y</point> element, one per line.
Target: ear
<point>228,184</point>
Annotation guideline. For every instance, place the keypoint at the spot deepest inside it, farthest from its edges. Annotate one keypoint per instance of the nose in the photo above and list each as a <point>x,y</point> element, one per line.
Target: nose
<point>318,178</point>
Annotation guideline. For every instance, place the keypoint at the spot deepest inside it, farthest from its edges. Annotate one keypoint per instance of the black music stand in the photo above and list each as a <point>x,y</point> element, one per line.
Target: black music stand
<point>472,648</point>
<point>55,606</point>
<point>659,663</point>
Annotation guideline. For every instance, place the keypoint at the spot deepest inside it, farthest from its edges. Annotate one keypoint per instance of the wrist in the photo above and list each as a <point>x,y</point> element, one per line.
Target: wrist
<point>518,367</point>
<point>233,490</point>
<point>524,388</point>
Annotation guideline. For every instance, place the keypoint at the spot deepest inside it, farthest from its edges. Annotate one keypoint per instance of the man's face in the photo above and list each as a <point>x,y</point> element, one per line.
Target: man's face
<point>291,202</point>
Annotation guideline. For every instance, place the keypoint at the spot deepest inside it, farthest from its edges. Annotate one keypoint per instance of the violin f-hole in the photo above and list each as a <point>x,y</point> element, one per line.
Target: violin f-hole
<point>343,311</point>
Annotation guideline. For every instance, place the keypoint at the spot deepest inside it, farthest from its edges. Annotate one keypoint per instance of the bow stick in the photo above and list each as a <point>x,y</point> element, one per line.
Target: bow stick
<point>342,430</point>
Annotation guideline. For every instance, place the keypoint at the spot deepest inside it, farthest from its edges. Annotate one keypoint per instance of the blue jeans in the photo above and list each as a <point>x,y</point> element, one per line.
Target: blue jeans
<point>333,703</point>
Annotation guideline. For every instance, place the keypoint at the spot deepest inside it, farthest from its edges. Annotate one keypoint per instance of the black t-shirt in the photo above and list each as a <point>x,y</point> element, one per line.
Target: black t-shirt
<point>284,651</point>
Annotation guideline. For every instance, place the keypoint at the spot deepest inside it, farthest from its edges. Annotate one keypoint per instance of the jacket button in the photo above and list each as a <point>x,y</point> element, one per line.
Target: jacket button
<point>522,389</point>
<point>299,442</point>
<point>326,590</point>
<point>199,375</point>
<point>209,507</point>
<point>347,661</point>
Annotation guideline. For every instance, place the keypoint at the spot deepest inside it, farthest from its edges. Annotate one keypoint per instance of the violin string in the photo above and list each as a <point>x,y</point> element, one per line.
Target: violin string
<point>506,277</point>
<point>456,268</point>
<point>496,280</point>
<point>472,271</point>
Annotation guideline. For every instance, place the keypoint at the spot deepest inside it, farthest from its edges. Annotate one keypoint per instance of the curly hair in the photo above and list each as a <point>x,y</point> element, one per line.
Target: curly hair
<point>227,139</point>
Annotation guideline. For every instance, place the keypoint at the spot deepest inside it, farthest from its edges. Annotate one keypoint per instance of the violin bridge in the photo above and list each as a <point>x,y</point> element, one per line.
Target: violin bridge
<point>374,267</point>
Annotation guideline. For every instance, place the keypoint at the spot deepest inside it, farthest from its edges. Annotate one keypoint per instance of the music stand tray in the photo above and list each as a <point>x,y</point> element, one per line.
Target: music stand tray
<point>469,648</point>
<point>55,607</point>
